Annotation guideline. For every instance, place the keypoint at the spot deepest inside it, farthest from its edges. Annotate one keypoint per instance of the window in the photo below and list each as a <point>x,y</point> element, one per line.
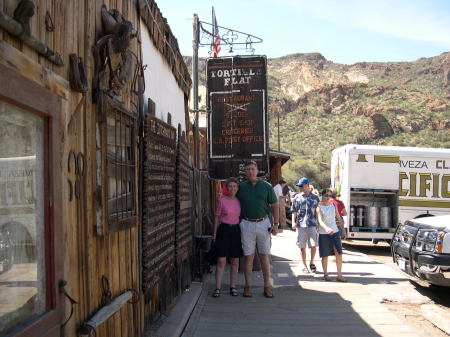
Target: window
<point>30,247</point>
<point>119,154</point>
<point>22,230</point>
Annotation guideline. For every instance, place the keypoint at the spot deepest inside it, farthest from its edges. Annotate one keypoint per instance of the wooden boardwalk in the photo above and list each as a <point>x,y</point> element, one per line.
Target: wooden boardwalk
<point>304,305</point>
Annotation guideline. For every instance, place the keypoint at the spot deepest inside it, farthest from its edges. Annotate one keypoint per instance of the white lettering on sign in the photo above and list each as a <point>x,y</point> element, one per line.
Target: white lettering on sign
<point>235,76</point>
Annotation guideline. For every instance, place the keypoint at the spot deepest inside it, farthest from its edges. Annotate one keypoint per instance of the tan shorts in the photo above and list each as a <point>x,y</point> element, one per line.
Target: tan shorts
<point>255,234</point>
<point>307,235</point>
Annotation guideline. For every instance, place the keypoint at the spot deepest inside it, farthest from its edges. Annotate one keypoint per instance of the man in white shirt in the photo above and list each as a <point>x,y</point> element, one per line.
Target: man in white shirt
<point>278,189</point>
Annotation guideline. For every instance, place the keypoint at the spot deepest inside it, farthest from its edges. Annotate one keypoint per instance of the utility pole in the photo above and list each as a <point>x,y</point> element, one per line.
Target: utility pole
<point>198,227</point>
<point>278,126</point>
<point>195,42</point>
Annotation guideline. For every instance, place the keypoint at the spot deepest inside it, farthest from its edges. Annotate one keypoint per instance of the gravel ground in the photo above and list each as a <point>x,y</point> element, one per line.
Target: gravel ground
<point>409,312</point>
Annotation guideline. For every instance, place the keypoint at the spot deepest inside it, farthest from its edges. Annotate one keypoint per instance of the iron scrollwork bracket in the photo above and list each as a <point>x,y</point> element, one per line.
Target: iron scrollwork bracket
<point>234,39</point>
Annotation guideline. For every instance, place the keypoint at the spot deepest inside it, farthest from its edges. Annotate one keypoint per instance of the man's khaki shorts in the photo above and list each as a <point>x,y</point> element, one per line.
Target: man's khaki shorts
<point>255,234</point>
<point>307,235</point>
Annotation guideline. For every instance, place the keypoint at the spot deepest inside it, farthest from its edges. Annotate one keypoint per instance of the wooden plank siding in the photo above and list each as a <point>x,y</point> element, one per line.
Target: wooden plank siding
<point>115,255</point>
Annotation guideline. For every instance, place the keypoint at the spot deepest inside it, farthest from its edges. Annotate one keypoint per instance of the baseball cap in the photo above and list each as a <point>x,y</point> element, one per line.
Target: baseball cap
<point>302,181</point>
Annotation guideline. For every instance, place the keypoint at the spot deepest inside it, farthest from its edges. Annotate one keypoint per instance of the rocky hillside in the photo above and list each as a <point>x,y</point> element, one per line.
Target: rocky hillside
<point>322,105</point>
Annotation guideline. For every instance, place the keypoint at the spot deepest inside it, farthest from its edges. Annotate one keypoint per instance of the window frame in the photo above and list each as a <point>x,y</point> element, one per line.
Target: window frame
<point>107,104</point>
<point>34,98</point>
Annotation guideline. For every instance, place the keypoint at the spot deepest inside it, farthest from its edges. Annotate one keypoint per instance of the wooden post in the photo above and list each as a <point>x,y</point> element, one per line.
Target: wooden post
<point>282,220</point>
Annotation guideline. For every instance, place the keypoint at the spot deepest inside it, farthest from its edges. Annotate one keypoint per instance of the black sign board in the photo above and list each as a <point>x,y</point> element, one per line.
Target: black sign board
<point>237,119</point>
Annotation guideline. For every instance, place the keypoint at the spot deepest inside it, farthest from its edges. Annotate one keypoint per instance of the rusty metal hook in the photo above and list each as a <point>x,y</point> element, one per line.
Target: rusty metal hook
<point>106,295</point>
<point>77,189</point>
<point>49,26</point>
<point>71,153</point>
<point>70,190</point>
<point>80,167</point>
<point>62,290</point>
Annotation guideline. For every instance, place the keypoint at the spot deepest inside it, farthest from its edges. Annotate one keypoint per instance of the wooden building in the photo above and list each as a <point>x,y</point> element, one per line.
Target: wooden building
<point>276,160</point>
<point>97,182</point>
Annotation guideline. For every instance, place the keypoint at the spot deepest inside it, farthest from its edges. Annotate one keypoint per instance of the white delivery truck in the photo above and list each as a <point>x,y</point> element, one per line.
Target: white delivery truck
<point>382,186</point>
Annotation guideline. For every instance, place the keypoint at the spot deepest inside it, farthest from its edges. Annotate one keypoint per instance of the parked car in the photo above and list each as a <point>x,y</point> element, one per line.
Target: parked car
<point>421,248</point>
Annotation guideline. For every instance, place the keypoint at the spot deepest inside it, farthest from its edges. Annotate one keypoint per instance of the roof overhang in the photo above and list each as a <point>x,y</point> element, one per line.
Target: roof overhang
<point>274,155</point>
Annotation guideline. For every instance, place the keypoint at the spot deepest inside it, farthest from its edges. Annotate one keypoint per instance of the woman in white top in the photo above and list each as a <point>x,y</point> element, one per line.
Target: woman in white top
<point>329,238</point>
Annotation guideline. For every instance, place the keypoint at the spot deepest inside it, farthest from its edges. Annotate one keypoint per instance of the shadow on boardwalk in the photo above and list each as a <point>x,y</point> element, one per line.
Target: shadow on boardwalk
<point>304,304</point>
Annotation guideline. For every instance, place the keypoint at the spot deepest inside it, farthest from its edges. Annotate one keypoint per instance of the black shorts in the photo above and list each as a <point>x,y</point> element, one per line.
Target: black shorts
<point>228,241</point>
<point>327,242</point>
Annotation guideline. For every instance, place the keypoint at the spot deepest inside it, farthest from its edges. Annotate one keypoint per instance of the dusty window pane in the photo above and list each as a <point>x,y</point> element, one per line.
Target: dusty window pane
<point>121,166</point>
<point>22,259</point>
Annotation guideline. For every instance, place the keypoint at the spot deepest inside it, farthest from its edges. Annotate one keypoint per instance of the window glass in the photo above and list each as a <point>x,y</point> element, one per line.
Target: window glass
<point>121,166</point>
<point>22,226</point>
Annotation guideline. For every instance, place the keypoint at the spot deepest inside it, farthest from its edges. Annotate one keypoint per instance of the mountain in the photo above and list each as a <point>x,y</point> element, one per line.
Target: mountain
<point>322,105</point>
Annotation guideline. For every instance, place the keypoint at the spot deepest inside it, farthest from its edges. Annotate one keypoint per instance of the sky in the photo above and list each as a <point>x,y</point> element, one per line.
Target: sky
<point>344,31</point>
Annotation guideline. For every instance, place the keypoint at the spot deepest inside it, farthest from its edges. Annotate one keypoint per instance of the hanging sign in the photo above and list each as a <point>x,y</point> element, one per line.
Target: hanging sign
<point>237,118</point>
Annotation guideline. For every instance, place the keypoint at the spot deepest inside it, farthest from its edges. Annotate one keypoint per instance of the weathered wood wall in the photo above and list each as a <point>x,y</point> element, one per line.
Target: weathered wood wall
<point>89,256</point>
<point>158,223</point>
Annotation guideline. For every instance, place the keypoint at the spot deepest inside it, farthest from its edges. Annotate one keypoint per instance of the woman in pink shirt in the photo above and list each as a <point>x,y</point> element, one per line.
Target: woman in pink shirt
<point>227,235</point>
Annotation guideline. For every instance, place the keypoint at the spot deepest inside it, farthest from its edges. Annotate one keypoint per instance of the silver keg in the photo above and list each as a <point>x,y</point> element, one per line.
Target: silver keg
<point>373,216</point>
<point>352,216</point>
<point>385,217</point>
<point>360,214</point>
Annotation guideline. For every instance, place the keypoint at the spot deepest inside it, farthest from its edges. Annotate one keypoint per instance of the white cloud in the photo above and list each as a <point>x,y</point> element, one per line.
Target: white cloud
<point>411,19</point>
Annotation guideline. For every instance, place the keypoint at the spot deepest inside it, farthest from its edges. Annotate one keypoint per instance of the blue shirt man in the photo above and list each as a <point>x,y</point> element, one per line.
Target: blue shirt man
<point>304,221</point>
<point>305,206</point>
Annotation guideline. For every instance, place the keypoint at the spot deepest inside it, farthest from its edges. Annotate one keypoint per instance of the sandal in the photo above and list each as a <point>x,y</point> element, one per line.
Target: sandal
<point>233,291</point>
<point>341,279</point>
<point>268,292</point>
<point>313,268</point>
<point>216,293</point>
<point>247,292</point>
<point>305,270</point>
<point>327,278</point>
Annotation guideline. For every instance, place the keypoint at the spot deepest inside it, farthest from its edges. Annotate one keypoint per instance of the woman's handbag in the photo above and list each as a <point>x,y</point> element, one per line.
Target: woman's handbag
<point>211,255</point>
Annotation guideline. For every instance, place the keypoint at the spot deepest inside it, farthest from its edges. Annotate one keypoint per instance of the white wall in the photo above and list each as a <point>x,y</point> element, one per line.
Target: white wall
<point>160,84</point>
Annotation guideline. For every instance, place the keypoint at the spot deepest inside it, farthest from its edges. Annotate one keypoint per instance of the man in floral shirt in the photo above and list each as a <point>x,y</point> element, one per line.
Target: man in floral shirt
<point>304,220</point>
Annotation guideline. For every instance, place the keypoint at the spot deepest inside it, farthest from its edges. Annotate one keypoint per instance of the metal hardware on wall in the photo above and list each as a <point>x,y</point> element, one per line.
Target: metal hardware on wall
<point>62,290</point>
<point>113,59</point>
<point>102,315</point>
<point>20,31</point>
<point>70,189</point>
<point>77,74</point>
<point>109,307</point>
<point>23,14</point>
<point>106,294</point>
<point>79,166</point>
<point>49,26</point>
